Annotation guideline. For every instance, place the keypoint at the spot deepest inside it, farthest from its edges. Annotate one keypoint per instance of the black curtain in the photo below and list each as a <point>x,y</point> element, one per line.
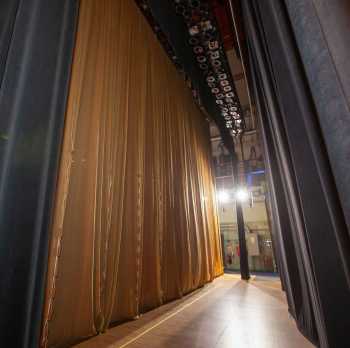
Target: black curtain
<point>288,256</point>
<point>36,44</point>
<point>8,11</point>
<point>321,29</point>
<point>308,213</point>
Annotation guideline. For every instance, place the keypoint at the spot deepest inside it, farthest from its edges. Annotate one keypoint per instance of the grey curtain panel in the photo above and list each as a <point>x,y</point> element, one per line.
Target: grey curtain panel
<point>36,43</point>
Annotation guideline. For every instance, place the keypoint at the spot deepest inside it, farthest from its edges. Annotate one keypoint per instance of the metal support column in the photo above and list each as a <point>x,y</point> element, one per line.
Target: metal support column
<point>243,255</point>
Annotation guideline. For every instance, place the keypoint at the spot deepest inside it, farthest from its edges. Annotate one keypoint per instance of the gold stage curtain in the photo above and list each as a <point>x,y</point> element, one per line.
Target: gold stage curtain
<point>135,221</point>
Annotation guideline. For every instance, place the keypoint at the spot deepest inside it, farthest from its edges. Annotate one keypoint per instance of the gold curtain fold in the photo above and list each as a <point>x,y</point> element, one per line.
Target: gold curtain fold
<point>135,222</point>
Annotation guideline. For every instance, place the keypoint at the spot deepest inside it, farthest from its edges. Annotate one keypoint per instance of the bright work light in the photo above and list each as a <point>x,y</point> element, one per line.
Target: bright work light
<point>242,195</point>
<point>223,196</point>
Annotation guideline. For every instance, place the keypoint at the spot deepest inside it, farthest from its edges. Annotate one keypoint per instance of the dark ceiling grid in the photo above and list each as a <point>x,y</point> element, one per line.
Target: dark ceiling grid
<point>174,33</point>
<point>209,54</point>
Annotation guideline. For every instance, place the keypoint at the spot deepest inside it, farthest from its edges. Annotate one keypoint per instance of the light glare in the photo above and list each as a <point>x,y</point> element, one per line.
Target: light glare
<point>223,196</point>
<point>242,195</point>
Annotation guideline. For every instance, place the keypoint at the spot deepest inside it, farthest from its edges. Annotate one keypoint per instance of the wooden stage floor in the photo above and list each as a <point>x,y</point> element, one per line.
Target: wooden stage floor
<point>228,313</point>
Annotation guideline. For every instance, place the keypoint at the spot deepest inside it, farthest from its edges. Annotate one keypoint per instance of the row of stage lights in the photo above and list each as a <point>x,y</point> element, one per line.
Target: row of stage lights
<point>210,57</point>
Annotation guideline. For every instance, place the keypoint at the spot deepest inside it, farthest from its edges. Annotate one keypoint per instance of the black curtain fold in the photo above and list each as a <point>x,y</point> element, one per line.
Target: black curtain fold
<point>307,210</point>
<point>36,45</point>
<point>281,224</point>
<point>277,156</point>
<point>8,10</point>
<point>321,30</point>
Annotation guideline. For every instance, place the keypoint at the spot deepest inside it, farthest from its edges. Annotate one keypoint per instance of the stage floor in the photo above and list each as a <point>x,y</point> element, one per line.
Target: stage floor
<point>228,313</point>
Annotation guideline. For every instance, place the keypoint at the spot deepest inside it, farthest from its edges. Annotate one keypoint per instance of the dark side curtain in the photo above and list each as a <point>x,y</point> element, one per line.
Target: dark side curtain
<point>8,11</point>
<point>308,213</point>
<point>36,43</point>
<point>291,269</point>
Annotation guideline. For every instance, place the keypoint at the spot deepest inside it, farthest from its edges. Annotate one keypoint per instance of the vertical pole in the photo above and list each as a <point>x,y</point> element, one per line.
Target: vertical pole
<point>243,255</point>
<point>243,258</point>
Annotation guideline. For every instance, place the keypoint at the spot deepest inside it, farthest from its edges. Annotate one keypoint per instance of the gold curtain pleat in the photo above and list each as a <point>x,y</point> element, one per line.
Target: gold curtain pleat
<point>135,221</point>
